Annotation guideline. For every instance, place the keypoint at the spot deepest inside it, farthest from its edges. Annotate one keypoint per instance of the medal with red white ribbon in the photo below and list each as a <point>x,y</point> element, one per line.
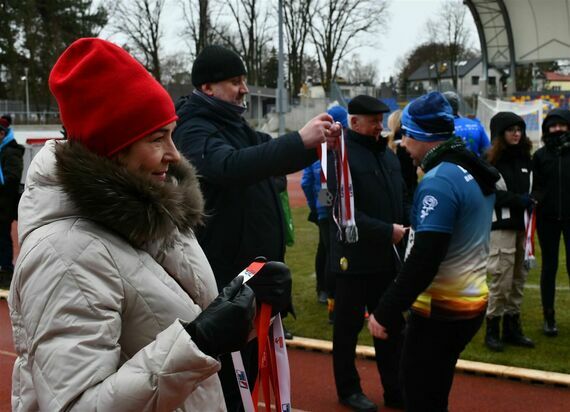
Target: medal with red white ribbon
<point>273,363</point>
<point>530,228</point>
<point>343,211</point>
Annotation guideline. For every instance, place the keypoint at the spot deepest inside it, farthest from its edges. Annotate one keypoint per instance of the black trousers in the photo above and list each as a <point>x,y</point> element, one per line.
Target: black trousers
<point>549,231</point>
<point>431,350</point>
<point>6,246</point>
<point>325,279</point>
<point>354,293</point>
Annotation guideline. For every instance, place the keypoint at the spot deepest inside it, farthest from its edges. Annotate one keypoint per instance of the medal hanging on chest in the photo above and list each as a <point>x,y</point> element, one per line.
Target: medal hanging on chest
<point>343,210</point>
<point>325,197</point>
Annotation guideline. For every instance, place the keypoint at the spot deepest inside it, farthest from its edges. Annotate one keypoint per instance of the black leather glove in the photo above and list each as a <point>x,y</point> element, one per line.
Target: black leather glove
<point>272,284</point>
<point>224,326</point>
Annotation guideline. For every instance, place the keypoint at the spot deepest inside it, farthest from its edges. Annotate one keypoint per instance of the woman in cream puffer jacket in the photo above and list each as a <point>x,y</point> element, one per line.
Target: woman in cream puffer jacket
<point>109,272</point>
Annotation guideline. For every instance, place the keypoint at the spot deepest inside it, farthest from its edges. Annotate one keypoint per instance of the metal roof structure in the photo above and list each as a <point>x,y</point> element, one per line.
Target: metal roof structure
<point>515,32</point>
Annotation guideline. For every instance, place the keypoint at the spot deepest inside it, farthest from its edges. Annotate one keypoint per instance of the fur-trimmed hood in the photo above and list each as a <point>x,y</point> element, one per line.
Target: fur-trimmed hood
<point>72,181</point>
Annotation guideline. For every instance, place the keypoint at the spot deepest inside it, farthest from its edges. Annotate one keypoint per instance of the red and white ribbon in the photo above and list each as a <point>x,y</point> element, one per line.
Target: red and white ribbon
<point>273,363</point>
<point>530,228</point>
<point>343,212</point>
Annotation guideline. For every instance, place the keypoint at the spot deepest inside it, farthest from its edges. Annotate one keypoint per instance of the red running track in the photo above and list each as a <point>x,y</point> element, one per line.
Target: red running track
<point>312,384</point>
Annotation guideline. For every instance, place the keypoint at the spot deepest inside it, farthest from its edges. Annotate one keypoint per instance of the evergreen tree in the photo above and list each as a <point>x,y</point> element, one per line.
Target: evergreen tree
<point>38,32</point>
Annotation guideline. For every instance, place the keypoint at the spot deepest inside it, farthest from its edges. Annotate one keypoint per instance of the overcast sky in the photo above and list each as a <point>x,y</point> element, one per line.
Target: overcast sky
<point>403,31</point>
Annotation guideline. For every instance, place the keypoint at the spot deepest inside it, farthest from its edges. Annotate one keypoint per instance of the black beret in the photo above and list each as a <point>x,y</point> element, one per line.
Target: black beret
<point>363,104</point>
<point>216,63</point>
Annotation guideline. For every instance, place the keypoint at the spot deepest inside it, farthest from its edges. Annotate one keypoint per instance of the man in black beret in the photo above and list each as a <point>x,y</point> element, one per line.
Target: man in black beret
<point>366,268</point>
<point>241,174</point>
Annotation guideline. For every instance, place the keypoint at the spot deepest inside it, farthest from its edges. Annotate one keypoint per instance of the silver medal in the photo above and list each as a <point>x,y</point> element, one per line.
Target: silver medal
<point>325,197</point>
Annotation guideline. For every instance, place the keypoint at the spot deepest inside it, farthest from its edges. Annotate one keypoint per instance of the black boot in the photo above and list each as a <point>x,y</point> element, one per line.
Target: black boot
<point>513,333</point>
<point>550,328</point>
<point>493,335</point>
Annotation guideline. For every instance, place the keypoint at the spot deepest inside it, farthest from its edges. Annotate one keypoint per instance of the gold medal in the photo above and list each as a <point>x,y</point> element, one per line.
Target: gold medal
<point>343,263</point>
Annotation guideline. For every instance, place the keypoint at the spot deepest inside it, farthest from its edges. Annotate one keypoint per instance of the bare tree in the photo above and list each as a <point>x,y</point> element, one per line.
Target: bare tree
<point>449,29</point>
<point>297,16</point>
<point>336,28</point>
<point>250,39</point>
<point>357,72</point>
<point>199,22</point>
<point>139,20</point>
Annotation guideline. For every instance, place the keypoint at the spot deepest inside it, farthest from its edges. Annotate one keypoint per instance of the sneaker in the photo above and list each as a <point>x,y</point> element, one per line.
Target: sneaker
<point>359,402</point>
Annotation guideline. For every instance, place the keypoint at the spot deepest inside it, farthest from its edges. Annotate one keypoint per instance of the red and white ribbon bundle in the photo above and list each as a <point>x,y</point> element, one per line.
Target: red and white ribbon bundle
<point>273,363</point>
<point>343,211</point>
<point>530,229</point>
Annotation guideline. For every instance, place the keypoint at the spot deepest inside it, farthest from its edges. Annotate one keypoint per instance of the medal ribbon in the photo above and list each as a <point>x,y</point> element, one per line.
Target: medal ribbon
<point>530,229</point>
<point>322,153</point>
<point>343,212</point>
<point>273,363</point>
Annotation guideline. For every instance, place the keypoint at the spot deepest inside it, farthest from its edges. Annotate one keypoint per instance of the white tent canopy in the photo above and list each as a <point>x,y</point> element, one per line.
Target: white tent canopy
<point>521,31</point>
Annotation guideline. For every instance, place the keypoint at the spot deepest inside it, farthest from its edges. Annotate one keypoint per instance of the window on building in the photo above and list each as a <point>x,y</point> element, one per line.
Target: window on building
<point>474,80</point>
<point>492,81</point>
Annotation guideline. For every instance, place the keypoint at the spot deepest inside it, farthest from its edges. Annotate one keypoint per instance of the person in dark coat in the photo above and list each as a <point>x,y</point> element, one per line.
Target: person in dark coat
<point>551,168</point>
<point>366,268</point>
<point>510,154</point>
<point>11,166</point>
<point>237,166</point>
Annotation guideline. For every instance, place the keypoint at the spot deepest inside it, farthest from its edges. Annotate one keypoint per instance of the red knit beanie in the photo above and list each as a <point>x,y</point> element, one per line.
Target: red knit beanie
<point>107,100</point>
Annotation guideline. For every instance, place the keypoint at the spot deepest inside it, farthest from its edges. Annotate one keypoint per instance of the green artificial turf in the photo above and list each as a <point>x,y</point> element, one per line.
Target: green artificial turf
<point>550,354</point>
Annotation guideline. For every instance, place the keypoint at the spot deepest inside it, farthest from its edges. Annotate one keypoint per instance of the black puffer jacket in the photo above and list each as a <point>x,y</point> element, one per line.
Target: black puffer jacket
<point>516,168</point>
<point>551,183</point>
<point>379,202</point>
<point>236,166</point>
<point>11,158</point>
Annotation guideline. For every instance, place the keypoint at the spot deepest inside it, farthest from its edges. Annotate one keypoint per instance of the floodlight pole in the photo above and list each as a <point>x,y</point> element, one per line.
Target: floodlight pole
<point>280,83</point>
<point>27,95</point>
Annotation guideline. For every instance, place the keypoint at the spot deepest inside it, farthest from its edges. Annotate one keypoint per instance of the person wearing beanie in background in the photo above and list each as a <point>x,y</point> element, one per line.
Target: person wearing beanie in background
<point>363,270</point>
<point>236,167</point>
<point>510,155</point>
<point>443,279</point>
<point>551,169</point>
<point>11,166</point>
<point>471,131</point>
<point>319,214</point>
<point>113,303</point>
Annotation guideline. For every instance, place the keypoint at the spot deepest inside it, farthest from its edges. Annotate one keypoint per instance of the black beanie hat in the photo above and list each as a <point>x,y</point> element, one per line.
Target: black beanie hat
<point>503,120</point>
<point>555,116</point>
<point>216,63</point>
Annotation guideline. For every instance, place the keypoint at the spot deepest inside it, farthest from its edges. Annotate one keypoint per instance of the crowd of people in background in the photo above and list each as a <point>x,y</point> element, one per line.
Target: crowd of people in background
<point>529,187</point>
<point>133,230</point>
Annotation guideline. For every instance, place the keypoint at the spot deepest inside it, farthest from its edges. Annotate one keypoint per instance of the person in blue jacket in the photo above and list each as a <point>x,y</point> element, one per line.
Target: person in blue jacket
<point>471,131</point>
<point>319,215</point>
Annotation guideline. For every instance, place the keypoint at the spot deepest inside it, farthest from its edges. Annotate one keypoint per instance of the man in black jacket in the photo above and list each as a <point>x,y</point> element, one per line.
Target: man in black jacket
<point>237,166</point>
<point>364,269</point>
